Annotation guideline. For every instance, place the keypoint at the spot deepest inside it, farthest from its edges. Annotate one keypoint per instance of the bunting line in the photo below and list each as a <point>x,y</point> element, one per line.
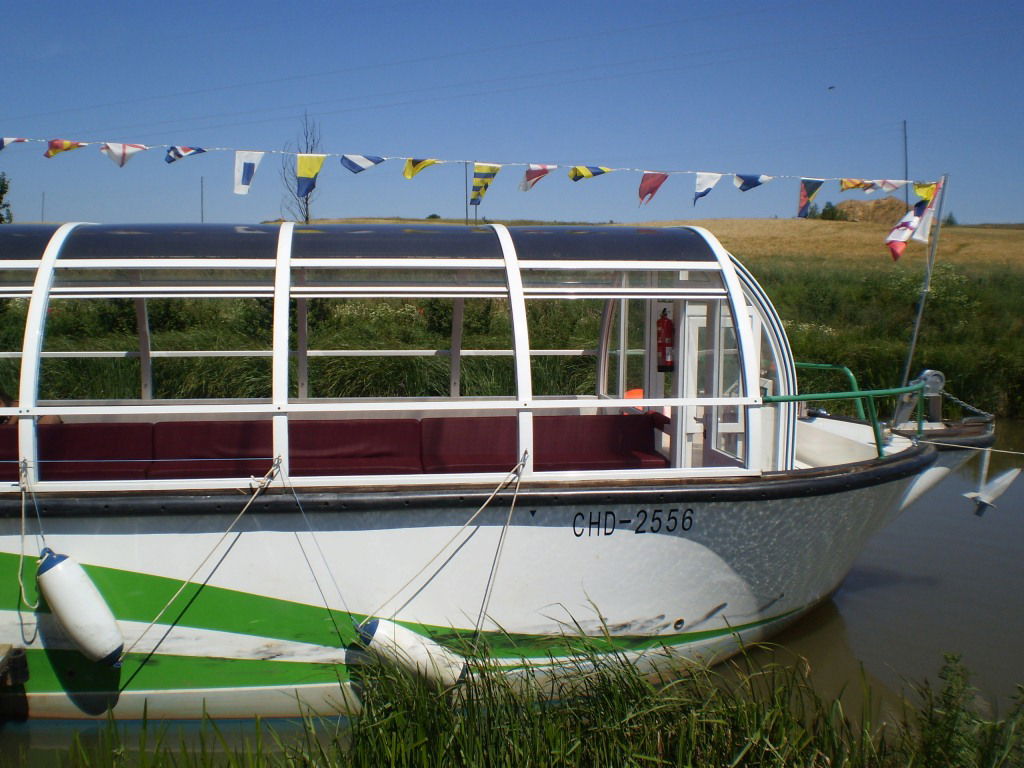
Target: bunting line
<point>309,166</point>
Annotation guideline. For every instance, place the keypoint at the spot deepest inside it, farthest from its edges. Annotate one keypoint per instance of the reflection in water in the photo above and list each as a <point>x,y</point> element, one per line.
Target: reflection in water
<point>942,580</point>
<point>819,642</point>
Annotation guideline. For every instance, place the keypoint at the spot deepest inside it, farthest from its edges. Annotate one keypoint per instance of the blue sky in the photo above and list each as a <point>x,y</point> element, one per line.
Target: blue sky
<point>780,88</point>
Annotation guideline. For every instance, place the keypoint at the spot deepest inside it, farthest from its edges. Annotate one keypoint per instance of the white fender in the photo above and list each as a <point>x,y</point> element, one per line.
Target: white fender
<point>79,607</point>
<point>412,651</point>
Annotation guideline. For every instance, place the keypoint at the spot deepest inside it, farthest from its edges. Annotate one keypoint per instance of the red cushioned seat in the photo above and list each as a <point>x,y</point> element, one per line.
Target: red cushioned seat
<point>8,453</point>
<point>603,441</point>
<point>199,449</point>
<point>94,451</point>
<point>355,447</point>
<point>469,444</point>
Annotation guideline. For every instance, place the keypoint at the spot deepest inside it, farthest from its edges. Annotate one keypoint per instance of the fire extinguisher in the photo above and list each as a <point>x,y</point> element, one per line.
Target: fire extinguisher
<point>666,342</point>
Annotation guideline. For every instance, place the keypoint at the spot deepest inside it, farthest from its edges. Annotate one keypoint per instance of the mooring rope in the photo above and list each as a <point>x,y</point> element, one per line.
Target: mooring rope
<point>969,447</point>
<point>491,580</point>
<point>267,478</point>
<point>21,555</point>
<point>327,565</point>
<point>513,473</point>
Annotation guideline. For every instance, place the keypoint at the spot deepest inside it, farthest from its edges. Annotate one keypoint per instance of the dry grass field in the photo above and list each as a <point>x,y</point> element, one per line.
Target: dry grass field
<point>858,242</point>
<point>838,242</point>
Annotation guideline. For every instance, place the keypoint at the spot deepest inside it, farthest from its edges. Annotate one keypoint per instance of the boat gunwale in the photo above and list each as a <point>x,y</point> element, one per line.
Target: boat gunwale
<point>797,483</point>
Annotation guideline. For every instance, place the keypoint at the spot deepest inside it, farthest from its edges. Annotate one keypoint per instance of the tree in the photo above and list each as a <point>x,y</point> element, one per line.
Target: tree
<point>950,220</point>
<point>296,206</point>
<point>832,213</point>
<point>5,207</point>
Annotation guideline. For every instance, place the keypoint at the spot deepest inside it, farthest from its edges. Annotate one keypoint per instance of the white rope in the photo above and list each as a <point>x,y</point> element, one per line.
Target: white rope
<point>514,473</point>
<point>970,447</point>
<point>491,578</point>
<point>21,554</point>
<point>326,564</point>
<point>267,478</point>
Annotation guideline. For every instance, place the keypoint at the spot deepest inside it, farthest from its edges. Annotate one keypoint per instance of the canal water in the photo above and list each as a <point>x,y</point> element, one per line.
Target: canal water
<point>938,580</point>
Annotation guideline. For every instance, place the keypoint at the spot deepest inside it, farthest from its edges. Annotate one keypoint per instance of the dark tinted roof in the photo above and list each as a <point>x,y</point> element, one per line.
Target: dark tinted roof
<point>610,243</point>
<point>25,241</point>
<point>394,241</point>
<point>172,241</point>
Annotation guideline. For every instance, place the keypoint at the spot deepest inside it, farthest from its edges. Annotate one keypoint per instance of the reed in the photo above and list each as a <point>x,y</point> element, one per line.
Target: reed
<point>605,713</point>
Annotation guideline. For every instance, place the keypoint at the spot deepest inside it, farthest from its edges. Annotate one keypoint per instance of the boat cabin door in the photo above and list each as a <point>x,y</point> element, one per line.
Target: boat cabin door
<point>705,363</point>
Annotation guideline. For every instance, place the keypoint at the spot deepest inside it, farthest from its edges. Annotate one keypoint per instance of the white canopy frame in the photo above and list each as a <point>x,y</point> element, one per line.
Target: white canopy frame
<point>281,406</point>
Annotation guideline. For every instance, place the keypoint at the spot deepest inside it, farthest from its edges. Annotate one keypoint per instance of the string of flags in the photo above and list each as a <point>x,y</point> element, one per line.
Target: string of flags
<point>915,225</point>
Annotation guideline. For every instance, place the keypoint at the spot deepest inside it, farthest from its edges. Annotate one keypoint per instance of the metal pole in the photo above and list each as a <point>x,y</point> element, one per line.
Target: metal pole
<point>465,181</point>
<point>906,167</point>
<point>926,286</point>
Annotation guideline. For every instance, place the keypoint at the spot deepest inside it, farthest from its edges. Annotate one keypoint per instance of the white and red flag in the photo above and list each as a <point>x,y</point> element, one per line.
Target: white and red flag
<point>534,173</point>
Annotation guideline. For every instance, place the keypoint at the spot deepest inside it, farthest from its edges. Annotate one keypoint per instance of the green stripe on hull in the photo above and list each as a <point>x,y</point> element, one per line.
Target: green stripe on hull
<point>139,597</point>
<point>136,596</point>
<point>70,672</point>
<point>503,645</point>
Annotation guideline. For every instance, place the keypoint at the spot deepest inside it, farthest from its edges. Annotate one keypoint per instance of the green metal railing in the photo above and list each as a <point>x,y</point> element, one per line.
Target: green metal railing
<point>864,399</point>
<point>839,369</point>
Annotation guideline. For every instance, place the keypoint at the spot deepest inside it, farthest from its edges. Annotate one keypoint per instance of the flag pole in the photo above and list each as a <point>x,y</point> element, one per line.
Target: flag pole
<point>933,246</point>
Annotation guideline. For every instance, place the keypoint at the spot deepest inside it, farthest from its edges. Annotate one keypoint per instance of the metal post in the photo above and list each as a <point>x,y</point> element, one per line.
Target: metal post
<point>926,286</point>
<point>906,167</point>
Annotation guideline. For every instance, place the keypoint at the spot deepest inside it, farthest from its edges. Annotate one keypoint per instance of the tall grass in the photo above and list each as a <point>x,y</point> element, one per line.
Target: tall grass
<point>605,714</point>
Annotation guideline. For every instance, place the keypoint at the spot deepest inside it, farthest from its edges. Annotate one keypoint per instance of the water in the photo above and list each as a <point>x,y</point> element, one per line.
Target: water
<point>938,580</point>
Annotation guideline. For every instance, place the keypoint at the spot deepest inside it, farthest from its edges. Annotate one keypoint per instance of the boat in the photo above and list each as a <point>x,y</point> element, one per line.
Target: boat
<point>659,494</point>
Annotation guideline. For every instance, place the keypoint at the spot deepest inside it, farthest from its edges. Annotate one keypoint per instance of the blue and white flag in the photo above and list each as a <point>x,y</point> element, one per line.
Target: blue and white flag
<point>749,181</point>
<point>359,163</point>
<point>246,164</point>
<point>705,183</point>
<point>177,152</point>
<point>5,141</point>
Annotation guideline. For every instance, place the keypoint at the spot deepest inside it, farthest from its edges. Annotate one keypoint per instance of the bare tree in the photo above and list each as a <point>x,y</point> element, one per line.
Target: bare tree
<point>296,206</point>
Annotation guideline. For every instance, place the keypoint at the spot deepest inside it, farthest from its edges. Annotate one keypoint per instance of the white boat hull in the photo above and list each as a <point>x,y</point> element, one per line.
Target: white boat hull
<point>659,574</point>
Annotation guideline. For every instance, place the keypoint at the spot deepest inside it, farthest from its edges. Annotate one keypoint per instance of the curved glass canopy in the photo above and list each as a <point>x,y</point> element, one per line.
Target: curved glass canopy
<point>526,325</point>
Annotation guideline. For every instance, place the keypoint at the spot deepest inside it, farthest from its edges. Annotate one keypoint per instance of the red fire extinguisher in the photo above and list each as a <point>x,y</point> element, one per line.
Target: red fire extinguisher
<point>666,342</point>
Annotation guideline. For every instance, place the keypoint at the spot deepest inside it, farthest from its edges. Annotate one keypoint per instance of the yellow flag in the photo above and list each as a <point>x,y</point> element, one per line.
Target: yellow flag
<point>578,172</point>
<point>307,168</point>
<point>415,165</point>
<point>924,190</point>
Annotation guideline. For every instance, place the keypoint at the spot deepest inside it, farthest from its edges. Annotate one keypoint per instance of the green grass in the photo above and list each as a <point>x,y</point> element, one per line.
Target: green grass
<point>605,713</point>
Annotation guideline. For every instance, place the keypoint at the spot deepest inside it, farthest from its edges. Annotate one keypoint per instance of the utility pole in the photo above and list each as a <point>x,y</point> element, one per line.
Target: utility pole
<point>906,167</point>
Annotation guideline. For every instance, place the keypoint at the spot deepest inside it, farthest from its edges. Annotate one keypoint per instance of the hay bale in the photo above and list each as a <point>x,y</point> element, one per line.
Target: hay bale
<point>886,210</point>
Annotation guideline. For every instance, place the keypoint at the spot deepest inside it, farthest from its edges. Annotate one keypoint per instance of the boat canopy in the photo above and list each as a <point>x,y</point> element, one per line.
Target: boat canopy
<point>398,354</point>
